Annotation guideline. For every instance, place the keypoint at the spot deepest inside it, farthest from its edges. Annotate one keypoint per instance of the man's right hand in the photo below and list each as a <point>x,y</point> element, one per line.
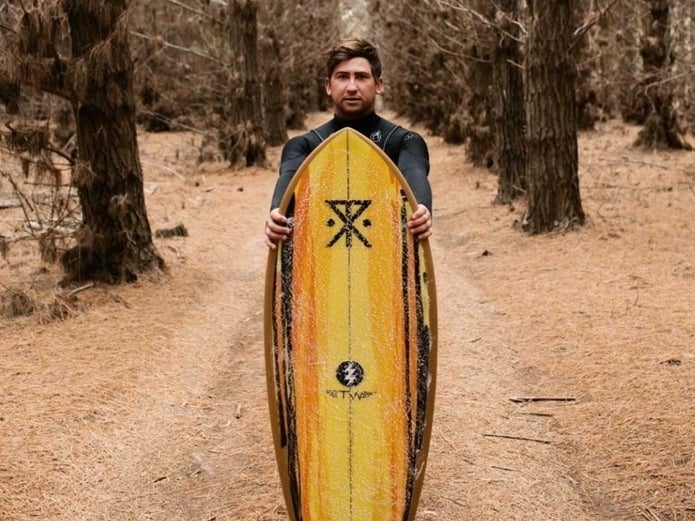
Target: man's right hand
<point>276,228</point>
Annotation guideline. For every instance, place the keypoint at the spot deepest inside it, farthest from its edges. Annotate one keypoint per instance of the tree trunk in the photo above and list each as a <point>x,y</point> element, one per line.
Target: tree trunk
<point>304,36</point>
<point>479,129</point>
<point>655,97</point>
<point>9,96</point>
<point>274,105</point>
<point>510,113</point>
<point>116,240</point>
<point>682,29</point>
<point>629,69</point>
<point>588,52</point>
<point>242,141</point>
<point>553,197</point>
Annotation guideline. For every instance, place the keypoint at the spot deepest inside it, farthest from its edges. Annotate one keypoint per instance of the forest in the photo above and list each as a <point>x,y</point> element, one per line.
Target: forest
<point>139,143</point>
<point>242,73</point>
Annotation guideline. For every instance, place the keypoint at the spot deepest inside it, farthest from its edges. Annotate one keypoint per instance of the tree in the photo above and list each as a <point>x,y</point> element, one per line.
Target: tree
<point>274,102</point>
<point>195,67</point>
<point>306,29</point>
<point>681,20</point>
<point>424,47</point>
<point>479,127</point>
<point>655,97</point>
<point>588,56</point>
<point>242,141</point>
<point>182,56</point>
<point>552,172</point>
<point>96,76</point>
<point>510,113</point>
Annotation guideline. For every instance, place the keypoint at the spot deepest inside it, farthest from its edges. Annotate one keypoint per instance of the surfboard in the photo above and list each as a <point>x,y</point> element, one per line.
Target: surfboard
<point>350,339</point>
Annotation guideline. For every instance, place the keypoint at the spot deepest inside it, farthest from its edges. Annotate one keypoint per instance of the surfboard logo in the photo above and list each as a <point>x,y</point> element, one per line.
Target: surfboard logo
<point>348,212</point>
<point>350,373</point>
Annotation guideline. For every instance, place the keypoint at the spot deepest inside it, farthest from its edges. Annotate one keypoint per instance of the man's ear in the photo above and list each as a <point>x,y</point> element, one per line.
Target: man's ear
<point>327,85</point>
<point>379,85</point>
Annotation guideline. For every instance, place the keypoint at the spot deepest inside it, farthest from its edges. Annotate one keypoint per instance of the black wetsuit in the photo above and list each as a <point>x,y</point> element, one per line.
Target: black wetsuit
<point>404,147</point>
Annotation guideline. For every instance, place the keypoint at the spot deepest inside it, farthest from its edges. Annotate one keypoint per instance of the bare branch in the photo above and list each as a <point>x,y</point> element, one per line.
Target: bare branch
<point>190,9</point>
<point>41,73</point>
<point>518,438</point>
<point>475,15</point>
<point>596,18</point>
<point>176,47</point>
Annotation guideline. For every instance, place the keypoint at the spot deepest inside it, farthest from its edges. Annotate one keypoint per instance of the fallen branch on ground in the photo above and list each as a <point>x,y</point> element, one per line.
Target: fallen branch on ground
<point>543,399</point>
<point>519,438</point>
<point>650,515</point>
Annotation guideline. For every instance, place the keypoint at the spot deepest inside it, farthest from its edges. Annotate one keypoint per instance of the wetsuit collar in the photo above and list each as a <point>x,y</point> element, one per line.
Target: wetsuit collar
<point>364,125</point>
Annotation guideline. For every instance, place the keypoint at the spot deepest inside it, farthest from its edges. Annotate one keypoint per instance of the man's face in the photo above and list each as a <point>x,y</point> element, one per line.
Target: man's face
<point>353,88</point>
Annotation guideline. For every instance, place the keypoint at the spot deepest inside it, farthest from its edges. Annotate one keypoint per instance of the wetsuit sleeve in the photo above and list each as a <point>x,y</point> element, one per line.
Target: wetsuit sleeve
<point>414,163</point>
<point>294,153</point>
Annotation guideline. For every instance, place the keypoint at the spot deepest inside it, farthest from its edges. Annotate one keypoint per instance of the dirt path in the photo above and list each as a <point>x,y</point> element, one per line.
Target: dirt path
<point>150,405</point>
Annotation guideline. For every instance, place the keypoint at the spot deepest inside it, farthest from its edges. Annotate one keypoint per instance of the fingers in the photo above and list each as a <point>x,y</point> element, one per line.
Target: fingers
<point>420,224</point>
<point>276,228</point>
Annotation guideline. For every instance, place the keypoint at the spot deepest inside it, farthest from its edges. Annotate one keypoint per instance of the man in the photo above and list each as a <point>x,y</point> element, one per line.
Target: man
<point>353,82</point>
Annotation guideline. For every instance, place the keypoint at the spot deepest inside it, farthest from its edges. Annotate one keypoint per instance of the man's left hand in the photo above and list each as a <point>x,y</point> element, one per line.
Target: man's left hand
<point>420,223</point>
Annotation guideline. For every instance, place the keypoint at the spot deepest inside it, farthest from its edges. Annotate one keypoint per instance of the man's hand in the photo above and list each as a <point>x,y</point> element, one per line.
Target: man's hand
<point>420,223</point>
<point>276,228</point>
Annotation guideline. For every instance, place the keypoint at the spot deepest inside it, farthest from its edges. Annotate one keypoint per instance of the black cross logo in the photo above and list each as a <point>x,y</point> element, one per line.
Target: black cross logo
<point>349,210</point>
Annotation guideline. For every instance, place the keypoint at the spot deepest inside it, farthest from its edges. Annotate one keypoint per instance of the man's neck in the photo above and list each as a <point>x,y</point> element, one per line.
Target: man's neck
<point>367,119</point>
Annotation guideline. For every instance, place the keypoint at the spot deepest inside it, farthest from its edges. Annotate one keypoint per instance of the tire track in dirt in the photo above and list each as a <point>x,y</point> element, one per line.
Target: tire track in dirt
<point>219,462</point>
<point>473,473</point>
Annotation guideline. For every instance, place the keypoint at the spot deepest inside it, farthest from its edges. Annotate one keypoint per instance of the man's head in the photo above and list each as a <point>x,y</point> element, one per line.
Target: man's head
<point>353,77</point>
<point>348,48</point>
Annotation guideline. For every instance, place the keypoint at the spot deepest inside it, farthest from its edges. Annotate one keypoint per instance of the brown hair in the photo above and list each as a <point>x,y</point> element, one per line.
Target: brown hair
<point>349,48</point>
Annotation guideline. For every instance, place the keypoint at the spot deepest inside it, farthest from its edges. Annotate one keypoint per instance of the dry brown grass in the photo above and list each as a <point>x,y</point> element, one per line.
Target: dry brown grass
<point>127,409</point>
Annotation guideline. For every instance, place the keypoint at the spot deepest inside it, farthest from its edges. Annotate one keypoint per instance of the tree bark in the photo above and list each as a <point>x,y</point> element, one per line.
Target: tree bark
<point>9,95</point>
<point>510,113</point>
<point>654,96</point>
<point>274,105</point>
<point>116,240</point>
<point>553,197</point>
<point>479,128</point>
<point>588,54</point>
<point>242,140</point>
<point>683,45</point>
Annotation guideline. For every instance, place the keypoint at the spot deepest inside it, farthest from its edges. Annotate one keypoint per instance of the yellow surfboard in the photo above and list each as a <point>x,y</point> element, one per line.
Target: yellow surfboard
<point>350,339</point>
